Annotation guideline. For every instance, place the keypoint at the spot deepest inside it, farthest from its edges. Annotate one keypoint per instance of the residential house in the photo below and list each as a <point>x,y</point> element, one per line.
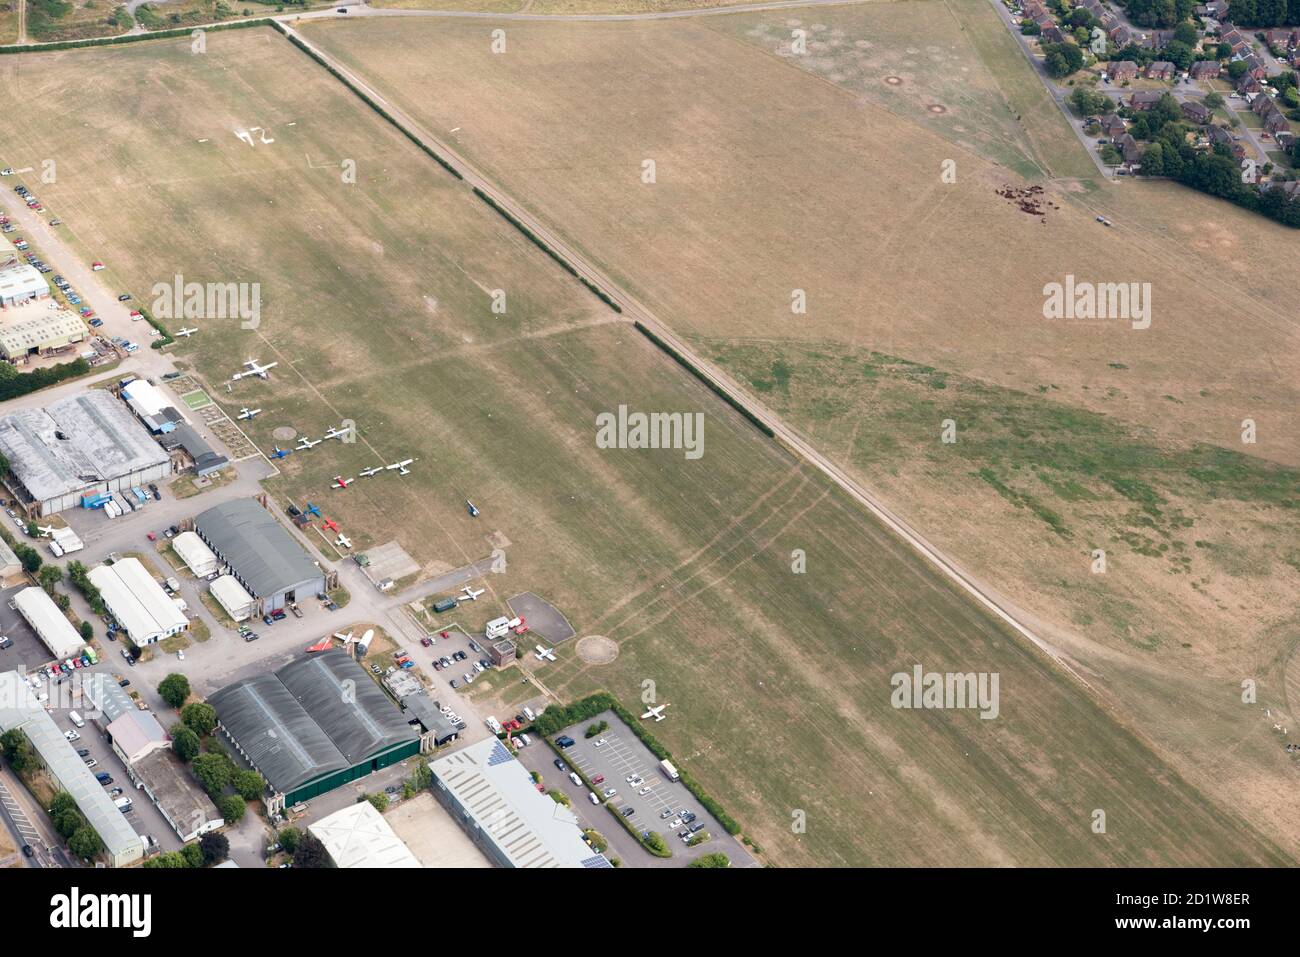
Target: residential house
<point>1195,111</point>
<point>1249,85</point>
<point>1144,100</point>
<point>1109,22</point>
<point>1052,33</point>
<point>1129,149</point>
<point>1262,106</point>
<point>1284,38</point>
<point>1276,123</point>
<point>1162,38</point>
<point>1205,69</point>
<point>1218,136</point>
<point>1285,139</point>
<point>1121,36</point>
<point>1121,70</point>
<point>1161,70</point>
<point>1113,125</point>
<point>1032,9</point>
<point>1255,67</point>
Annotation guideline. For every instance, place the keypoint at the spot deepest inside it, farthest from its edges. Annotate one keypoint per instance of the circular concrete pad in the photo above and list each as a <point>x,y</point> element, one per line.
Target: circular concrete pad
<point>937,108</point>
<point>285,433</point>
<point>597,649</point>
<point>894,80</point>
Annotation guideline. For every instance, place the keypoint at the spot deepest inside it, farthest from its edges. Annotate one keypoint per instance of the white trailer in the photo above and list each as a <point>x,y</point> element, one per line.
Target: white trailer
<point>669,771</point>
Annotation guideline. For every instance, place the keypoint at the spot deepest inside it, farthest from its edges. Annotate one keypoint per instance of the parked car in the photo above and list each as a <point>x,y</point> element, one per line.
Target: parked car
<point>125,297</point>
<point>560,765</point>
<point>564,741</point>
<point>628,811</point>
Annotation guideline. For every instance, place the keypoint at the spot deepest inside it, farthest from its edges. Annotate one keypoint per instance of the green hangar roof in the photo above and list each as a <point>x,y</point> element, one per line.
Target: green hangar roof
<point>266,558</point>
<point>315,716</point>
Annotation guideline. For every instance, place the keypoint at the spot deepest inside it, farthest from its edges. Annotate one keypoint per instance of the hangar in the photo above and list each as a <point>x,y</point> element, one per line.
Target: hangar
<point>50,624</point>
<point>314,725</point>
<point>87,443</point>
<point>198,558</point>
<point>41,331</point>
<point>20,283</point>
<point>231,596</point>
<point>138,602</point>
<point>264,558</point>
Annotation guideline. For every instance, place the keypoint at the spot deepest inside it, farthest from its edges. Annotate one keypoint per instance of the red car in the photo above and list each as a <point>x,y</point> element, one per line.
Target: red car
<point>426,641</point>
<point>442,634</point>
<point>153,537</point>
<point>598,779</point>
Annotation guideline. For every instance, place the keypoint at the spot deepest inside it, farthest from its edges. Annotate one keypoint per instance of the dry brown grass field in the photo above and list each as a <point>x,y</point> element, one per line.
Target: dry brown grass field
<point>774,175</point>
<point>376,302</point>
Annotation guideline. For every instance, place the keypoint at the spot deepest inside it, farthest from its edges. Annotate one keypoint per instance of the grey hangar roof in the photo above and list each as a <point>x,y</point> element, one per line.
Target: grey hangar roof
<point>264,555</point>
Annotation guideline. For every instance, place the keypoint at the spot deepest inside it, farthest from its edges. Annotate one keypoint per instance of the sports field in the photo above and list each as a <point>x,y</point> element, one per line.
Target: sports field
<point>376,300</point>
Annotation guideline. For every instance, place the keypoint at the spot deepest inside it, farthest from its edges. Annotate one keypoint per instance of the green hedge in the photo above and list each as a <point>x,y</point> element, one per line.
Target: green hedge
<point>132,38</point>
<point>690,367</point>
<point>540,244</point>
<point>433,154</point>
<point>555,718</point>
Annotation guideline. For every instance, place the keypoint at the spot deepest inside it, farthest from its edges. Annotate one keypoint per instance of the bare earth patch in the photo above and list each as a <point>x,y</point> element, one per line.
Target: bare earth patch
<point>597,649</point>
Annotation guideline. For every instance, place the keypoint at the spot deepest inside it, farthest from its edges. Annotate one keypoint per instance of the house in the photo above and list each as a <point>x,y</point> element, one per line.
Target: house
<point>1290,188</point>
<point>1249,85</point>
<point>1032,9</point>
<point>1052,34</point>
<point>1092,6</point>
<point>1144,100</point>
<point>1121,36</point>
<point>1276,123</point>
<point>1121,70</point>
<point>1162,38</point>
<point>1205,69</point>
<point>1216,9</point>
<point>1285,139</point>
<point>1255,67</point>
<point>1109,22</point>
<point>1113,125</point>
<point>1196,112</point>
<point>1218,136</point>
<point>1282,38</point>
<point>1161,70</point>
<point>1262,106</point>
<point>1129,148</point>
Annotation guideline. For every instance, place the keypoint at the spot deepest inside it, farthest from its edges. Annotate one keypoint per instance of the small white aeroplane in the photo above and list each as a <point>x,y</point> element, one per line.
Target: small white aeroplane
<point>47,531</point>
<point>305,443</point>
<point>185,333</point>
<point>343,541</point>
<point>373,470</point>
<point>470,594</point>
<point>334,433</point>
<point>254,368</point>
<point>657,712</point>
<point>341,482</point>
<point>247,413</point>
<point>401,466</point>
<point>545,654</point>
<point>346,639</point>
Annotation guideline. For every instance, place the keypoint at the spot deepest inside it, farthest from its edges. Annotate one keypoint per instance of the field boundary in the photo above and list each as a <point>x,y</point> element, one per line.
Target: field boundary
<point>133,37</point>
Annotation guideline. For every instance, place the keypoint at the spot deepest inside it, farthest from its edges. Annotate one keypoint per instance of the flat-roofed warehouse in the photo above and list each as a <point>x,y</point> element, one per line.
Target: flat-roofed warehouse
<point>83,444</point>
<point>41,332</point>
<point>312,726</point>
<point>137,601</point>
<point>20,282</point>
<point>494,798</point>
<point>264,558</point>
<point>198,558</point>
<point>50,624</point>
<point>20,709</point>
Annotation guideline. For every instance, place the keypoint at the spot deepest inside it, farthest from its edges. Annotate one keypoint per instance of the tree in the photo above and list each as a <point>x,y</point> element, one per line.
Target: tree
<point>85,842</point>
<point>289,838</point>
<point>1223,51</point>
<point>378,801</point>
<point>212,771</point>
<point>193,855</point>
<point>232,808</point>
<point>50,576</point>
<point>249,785</point>
<point>655,843</point>
<point>174,689</point>
<point>18,752</point>
<point>1186,33</point>
<point>311,853</point>
<point>1212,101</point>
<point>1062,58</point>
<point>1237,69</point>
<point>1153,160</point>
<point>711,860</point>
<point>215,847</point>
<point>1086,102</point>
<point>173,860</point>
<point>201,717</point>
<point>87,631</point>
<point>185,743</point>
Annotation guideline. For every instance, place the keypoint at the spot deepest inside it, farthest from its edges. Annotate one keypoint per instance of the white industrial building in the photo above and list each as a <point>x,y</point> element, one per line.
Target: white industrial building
<point>50,624</point>
<point>20,283</point>
<point>20,709</point>
<point>137,602</point>
<point>231,595</point>
<point>496,801</point>
<point>79,445</point>
<point>358,836</point>
<point>152,405</point>
<point>196,555</point>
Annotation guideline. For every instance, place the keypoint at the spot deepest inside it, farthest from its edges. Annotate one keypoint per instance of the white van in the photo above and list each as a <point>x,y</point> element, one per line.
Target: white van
<point>525,739</point>
<point>592,795</point>
<point>528,713</point>
<point>123,805</point>
<point>76,719</point>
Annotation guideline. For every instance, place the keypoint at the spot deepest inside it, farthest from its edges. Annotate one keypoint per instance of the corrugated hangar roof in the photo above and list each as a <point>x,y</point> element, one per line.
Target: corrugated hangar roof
<point>264,555</point>
<point>276,732</point>
<point>315,715</point>
<point>350,708</point>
